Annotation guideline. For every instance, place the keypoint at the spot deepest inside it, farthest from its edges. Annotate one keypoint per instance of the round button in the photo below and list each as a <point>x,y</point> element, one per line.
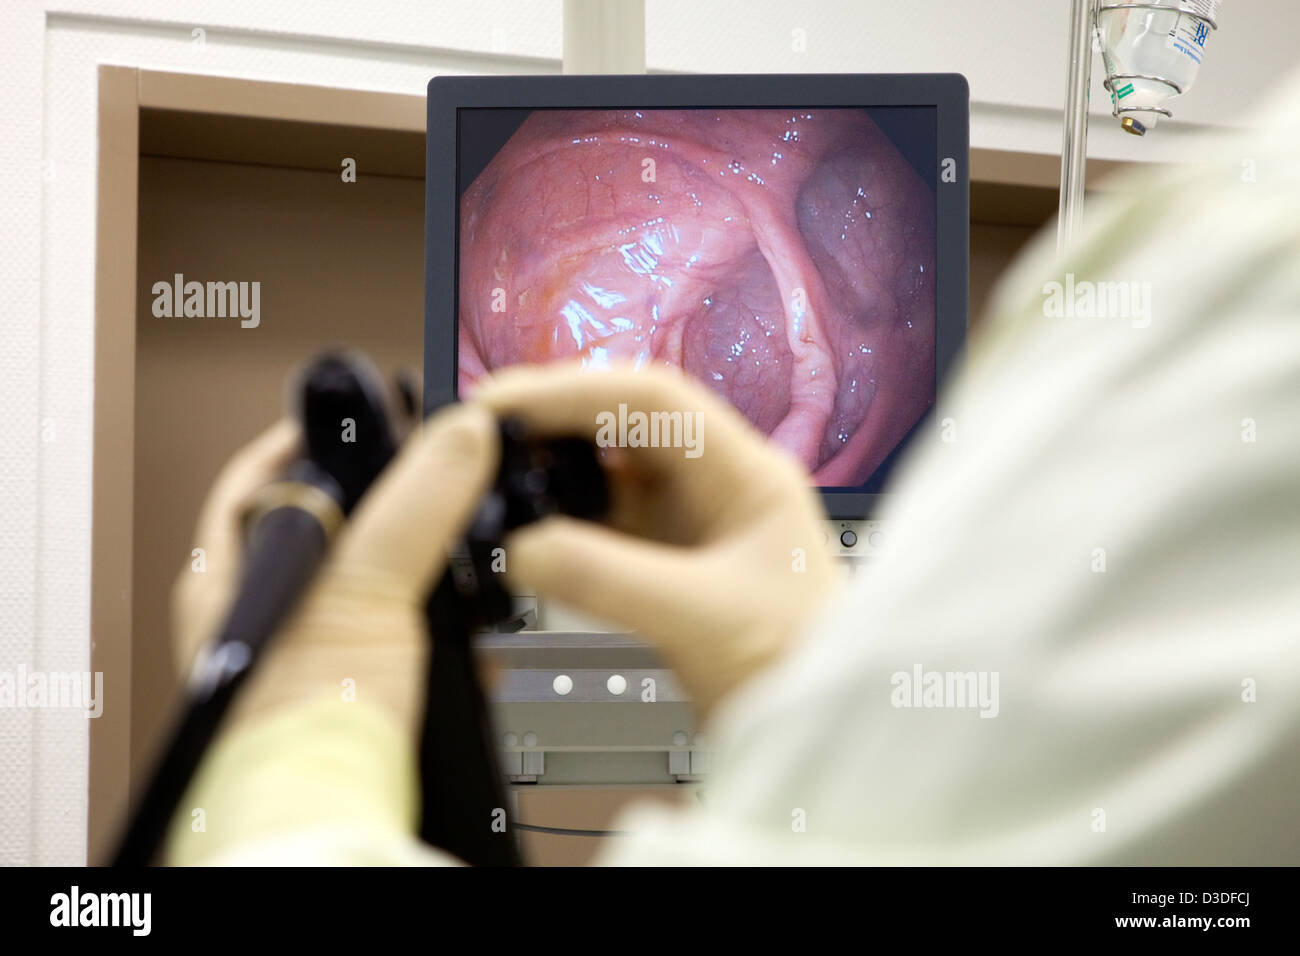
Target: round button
<point>562,684</point>
<point>530,739</point>
<point>875,539</point>
<point>849,538</point>
<point>510,740</point>
<point>616,684</point>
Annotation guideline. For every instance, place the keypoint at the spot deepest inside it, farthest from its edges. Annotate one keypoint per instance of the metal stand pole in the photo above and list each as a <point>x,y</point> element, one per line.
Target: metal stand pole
<point>1074,140</point>
<point>604,36</point>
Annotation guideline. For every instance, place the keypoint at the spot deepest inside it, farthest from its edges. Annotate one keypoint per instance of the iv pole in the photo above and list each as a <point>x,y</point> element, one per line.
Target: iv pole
<point>1074,139</point>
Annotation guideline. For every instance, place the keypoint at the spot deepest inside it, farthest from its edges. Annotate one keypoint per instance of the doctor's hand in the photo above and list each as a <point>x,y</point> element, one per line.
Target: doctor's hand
<point>362,619</point>
<point>714,552</point>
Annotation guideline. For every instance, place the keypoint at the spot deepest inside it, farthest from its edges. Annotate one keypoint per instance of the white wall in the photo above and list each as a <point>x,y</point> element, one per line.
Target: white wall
<point>1011,50</point>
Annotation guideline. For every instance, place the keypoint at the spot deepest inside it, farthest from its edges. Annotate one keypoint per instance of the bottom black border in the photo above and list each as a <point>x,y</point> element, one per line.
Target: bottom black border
<point>923,905</point>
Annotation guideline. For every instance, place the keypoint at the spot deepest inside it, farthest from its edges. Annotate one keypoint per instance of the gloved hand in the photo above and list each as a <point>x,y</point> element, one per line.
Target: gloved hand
<point>362,619</point>
<point>718,558</point>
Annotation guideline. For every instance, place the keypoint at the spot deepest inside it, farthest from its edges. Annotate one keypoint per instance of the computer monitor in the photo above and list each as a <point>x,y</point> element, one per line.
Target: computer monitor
<point>797,243</point>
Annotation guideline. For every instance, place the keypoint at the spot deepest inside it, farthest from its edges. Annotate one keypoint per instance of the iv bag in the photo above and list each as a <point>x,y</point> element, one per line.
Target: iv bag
<point>1151,53</point>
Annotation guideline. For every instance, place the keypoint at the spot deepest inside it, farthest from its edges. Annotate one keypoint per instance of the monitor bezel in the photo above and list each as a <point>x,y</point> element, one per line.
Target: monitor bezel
<point>948,93</point>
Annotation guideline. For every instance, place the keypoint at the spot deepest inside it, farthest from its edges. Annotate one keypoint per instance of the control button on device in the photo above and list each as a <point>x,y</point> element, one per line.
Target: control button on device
<point>875,539</point>
<point>849,539</point>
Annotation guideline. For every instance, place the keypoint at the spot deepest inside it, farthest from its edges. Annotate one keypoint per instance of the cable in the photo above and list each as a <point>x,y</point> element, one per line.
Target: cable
<point>567,831</point>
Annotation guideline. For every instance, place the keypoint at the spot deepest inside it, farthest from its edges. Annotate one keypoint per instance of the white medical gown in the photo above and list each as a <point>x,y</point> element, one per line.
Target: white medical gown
<point>1105,513</point>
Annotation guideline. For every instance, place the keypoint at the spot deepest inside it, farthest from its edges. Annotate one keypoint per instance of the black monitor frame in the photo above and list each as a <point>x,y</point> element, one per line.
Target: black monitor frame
<point>948,93</point>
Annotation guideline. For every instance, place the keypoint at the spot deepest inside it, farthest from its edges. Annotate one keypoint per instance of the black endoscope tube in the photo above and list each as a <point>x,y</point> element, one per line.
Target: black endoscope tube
<point>464,797</point>
<point>285,546</point>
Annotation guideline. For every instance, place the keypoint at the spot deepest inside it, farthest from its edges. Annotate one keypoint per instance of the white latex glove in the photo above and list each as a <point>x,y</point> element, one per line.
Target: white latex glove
<point>718,559</point>
<point>362,619</point>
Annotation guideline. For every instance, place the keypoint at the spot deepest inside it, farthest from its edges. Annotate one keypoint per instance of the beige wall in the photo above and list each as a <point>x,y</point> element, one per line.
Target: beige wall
<point>992,247</point>
<point>339,264</point>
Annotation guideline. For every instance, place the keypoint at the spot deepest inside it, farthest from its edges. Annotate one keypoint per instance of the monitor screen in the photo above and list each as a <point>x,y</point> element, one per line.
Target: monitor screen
<point>786,256</point>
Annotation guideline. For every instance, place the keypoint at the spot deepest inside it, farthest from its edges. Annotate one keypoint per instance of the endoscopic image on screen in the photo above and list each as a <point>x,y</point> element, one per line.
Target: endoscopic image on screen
<point>783,257</point>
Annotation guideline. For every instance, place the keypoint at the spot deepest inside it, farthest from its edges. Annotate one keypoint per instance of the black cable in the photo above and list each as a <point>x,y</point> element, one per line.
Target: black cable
<point>568,831</point>
<point>464,809</point>
<point>285,547</point>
